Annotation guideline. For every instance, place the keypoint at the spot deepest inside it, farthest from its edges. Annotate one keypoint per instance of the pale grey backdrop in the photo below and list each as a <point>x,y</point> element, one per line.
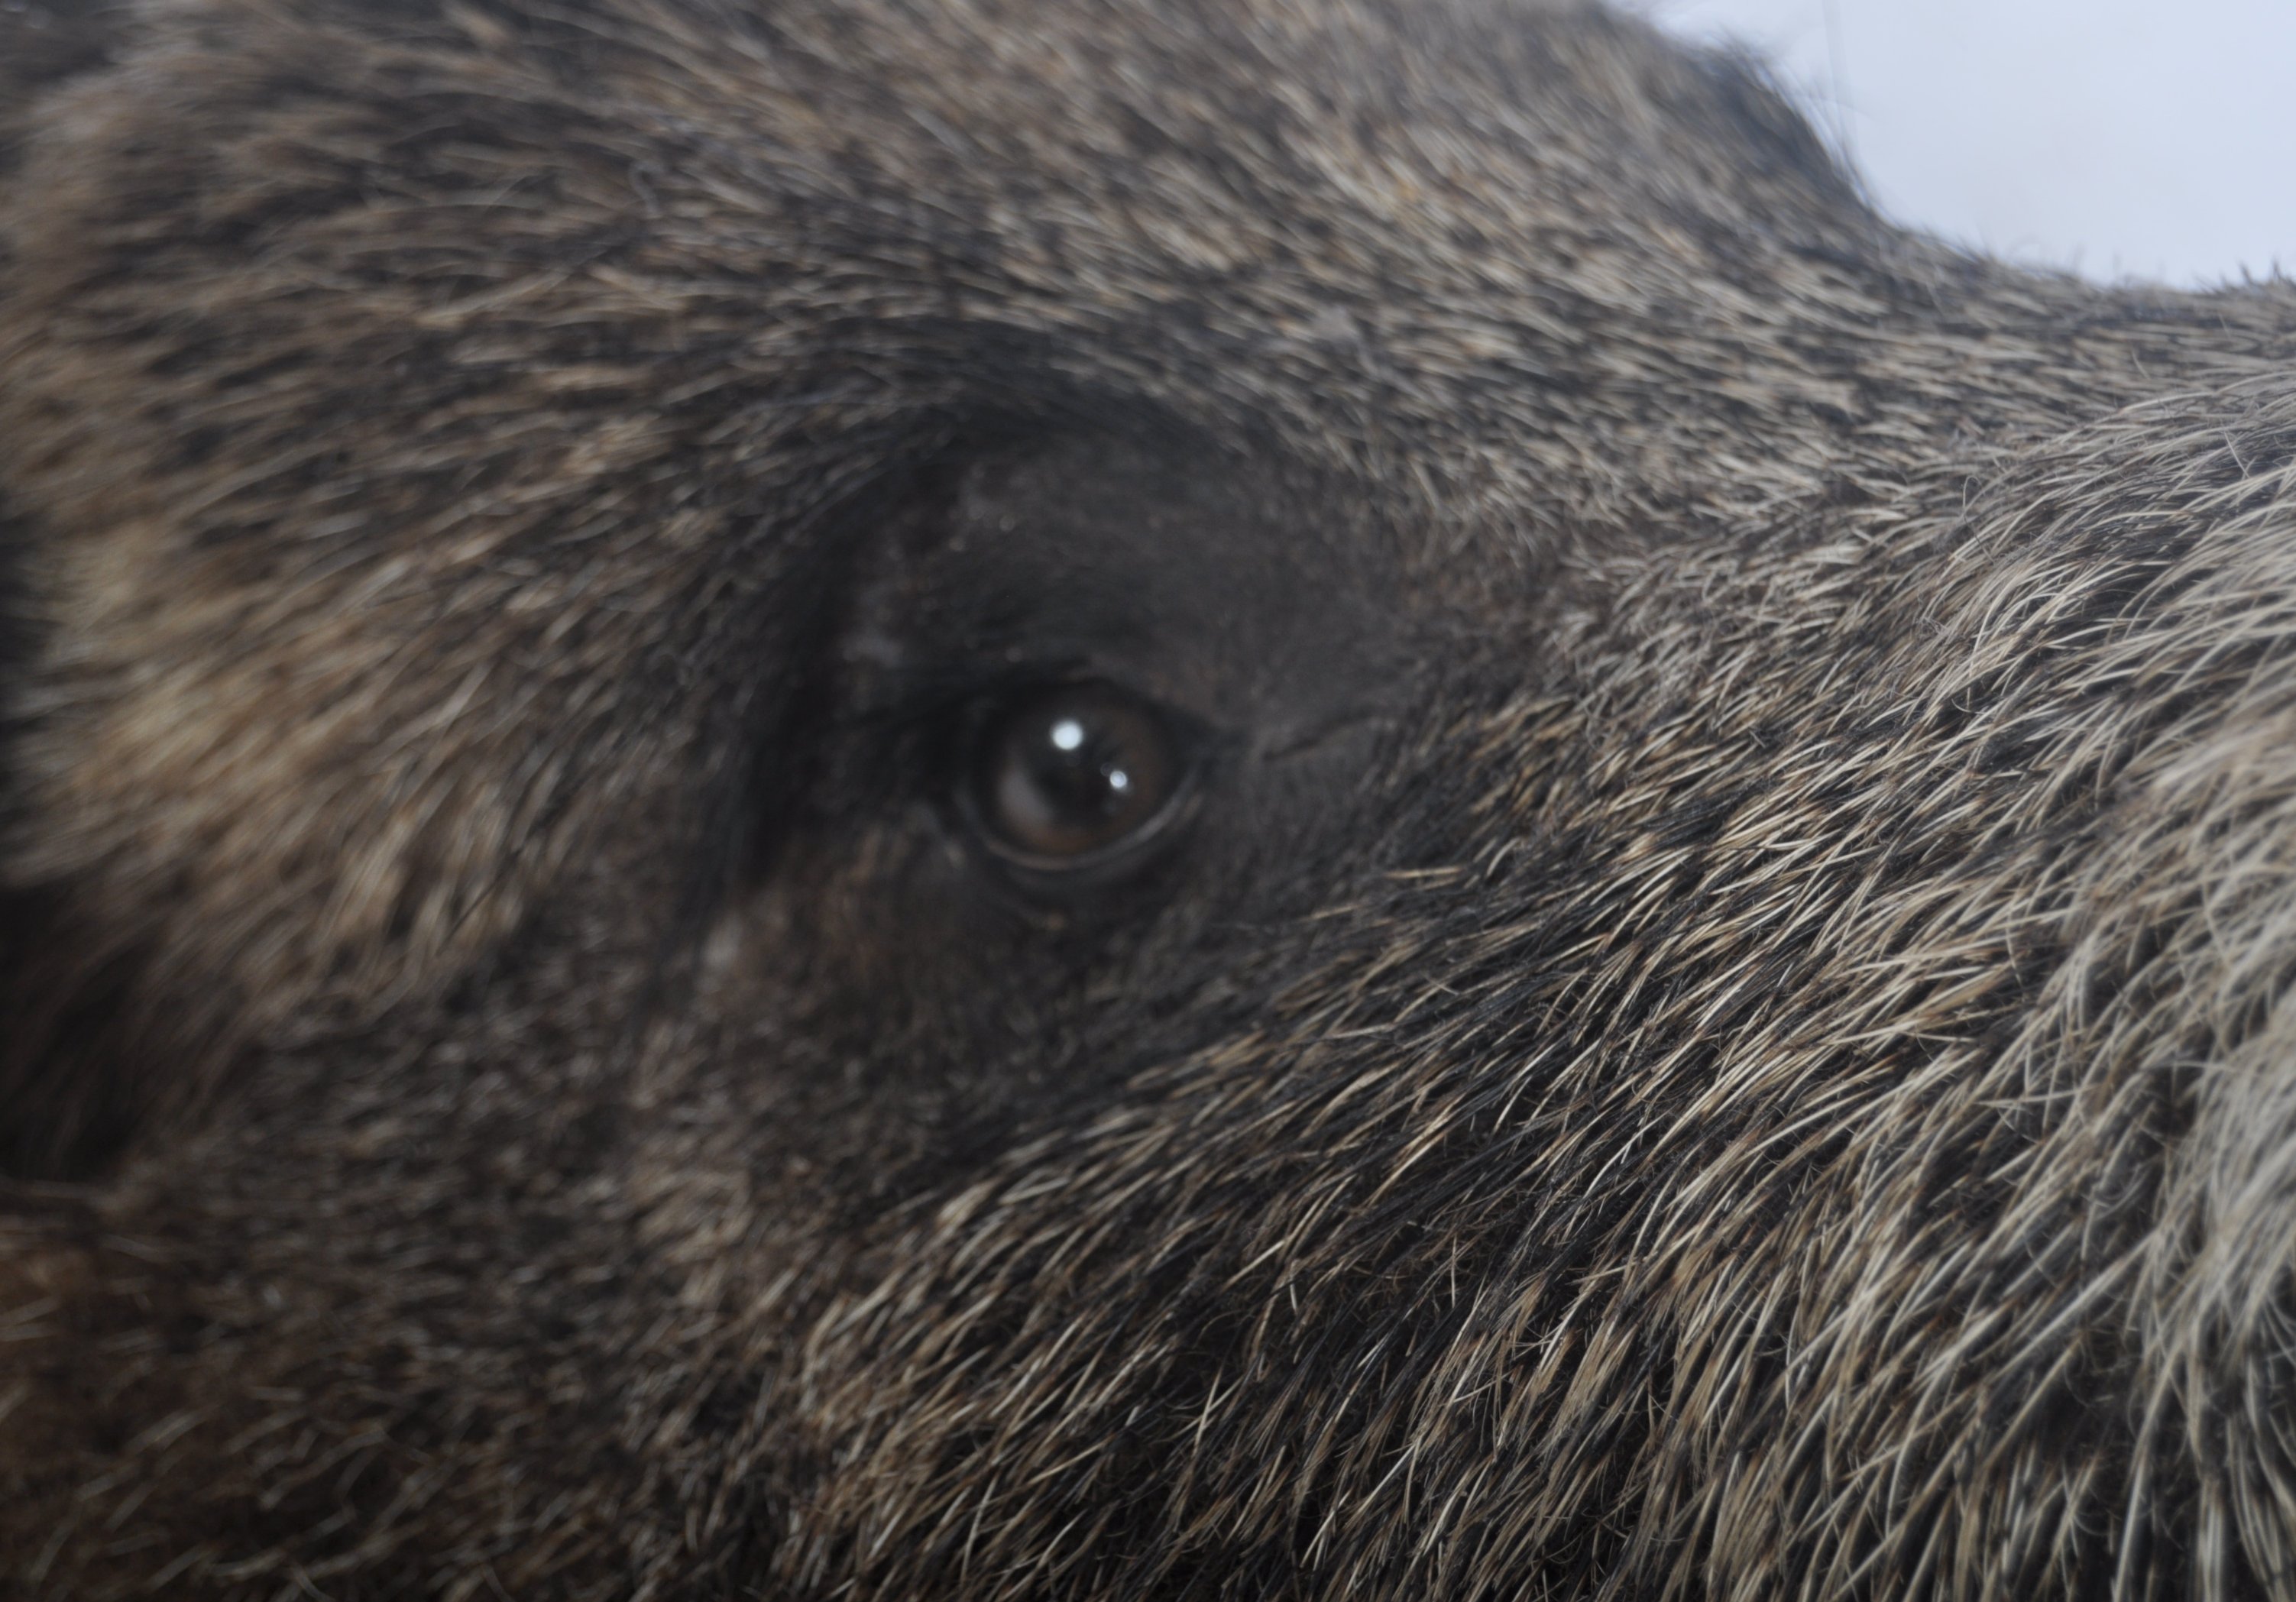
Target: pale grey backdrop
<point>2121,138</point>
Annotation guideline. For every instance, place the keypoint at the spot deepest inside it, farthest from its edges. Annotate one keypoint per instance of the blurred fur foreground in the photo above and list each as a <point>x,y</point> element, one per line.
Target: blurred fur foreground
<point>973,799</point>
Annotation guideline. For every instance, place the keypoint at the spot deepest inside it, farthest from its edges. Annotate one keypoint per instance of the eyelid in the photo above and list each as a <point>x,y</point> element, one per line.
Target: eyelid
<point>929,690</point>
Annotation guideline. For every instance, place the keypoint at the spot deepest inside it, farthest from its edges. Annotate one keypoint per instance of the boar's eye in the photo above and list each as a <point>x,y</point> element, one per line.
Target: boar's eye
<point>1075,778</point>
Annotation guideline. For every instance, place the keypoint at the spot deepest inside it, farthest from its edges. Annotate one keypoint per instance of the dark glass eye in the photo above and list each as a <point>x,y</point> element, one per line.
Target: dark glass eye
<point>1068,777</point>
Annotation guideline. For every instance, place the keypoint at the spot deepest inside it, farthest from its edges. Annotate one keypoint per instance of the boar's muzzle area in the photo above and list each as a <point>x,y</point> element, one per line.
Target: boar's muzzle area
<point>1000,799</point>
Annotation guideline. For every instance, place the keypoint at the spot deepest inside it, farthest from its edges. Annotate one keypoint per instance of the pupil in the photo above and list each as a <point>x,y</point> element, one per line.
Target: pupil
<point>1083,773</point>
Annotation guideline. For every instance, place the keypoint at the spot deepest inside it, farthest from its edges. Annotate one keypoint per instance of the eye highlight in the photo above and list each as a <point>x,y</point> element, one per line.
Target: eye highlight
<point>1073,777</point>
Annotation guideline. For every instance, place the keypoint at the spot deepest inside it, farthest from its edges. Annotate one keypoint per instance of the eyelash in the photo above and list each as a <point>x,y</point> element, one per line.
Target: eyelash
<point>923,719</point>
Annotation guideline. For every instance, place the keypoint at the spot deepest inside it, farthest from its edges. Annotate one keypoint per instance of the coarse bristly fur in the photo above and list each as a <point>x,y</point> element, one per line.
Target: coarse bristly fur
<point>1709,1024</point>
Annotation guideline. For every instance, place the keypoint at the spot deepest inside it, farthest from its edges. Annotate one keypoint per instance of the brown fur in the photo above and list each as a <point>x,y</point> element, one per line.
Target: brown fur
<point>1717,1029</point>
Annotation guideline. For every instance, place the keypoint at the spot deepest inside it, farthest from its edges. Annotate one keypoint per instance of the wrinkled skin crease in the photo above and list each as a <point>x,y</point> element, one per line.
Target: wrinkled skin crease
<point>1710,1024</point>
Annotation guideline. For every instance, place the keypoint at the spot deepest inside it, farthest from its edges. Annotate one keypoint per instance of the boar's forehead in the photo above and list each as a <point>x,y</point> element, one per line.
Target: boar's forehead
<point>1715,1027</point>
<point>1521,258</point>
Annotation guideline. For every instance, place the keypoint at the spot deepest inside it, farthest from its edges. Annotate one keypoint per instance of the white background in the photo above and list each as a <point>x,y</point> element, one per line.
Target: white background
<point>2121,138</point>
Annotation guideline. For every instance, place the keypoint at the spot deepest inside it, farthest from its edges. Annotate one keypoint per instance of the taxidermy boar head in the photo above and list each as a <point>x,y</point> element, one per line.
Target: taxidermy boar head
<point>1034,800</point>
